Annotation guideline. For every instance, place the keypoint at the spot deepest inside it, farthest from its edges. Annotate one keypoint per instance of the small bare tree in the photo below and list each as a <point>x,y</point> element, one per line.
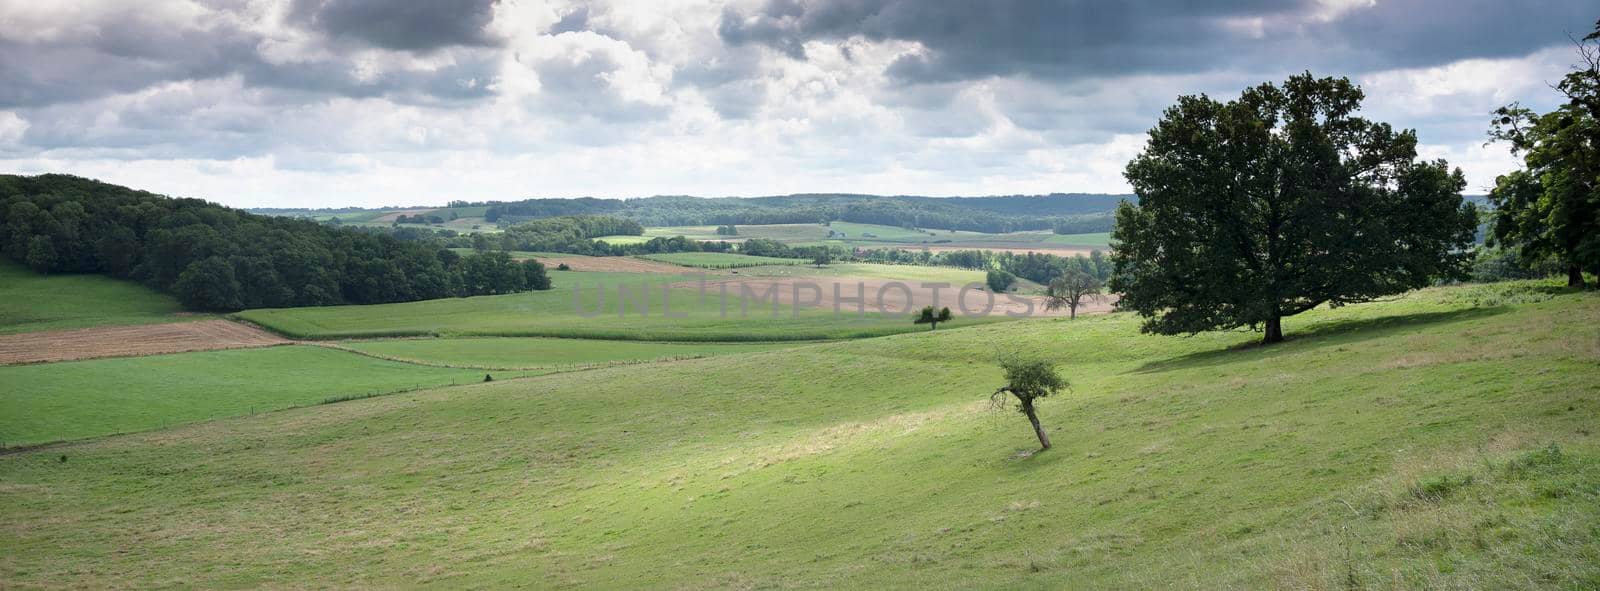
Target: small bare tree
<point>1029,380</point>
<point>1071,290</point>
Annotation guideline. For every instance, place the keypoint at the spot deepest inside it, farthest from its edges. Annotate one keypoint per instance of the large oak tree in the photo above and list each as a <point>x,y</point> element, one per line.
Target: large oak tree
<point>1277,202</point>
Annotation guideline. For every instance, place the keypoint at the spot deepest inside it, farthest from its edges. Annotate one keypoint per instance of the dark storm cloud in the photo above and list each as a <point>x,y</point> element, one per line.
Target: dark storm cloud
<point>1066,39</point>
<point>1412,33</point>
<point>118,59</point>
<point>138,54</point>
<point>463,81</point>
<point>407,25</point>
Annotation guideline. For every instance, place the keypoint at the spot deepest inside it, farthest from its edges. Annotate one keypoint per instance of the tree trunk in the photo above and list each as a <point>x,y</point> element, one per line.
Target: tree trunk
<point>1574,276</point>
<point>1027,408</point>
<point>1274,330</point>
<point>1072,314</point>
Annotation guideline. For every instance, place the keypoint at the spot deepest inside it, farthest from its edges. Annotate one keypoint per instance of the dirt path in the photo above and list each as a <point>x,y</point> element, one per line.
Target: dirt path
<point>129,341</point>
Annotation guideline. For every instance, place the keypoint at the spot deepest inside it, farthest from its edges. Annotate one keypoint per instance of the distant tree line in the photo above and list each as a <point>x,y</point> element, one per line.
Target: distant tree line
<point>1063,213</point>
<point>419,219</point>
<point>576,235</point>
<point>218,258</point>
<point>1037,267</point>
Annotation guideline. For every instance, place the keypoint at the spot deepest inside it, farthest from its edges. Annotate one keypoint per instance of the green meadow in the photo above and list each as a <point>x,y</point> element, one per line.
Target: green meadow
<point>720,260</point>
<point>33,302</point>
<point>77,399</point>
<point>779,232</point>
<point>1101,239</point>
<point>1444,439</point>
<point>624,239</point>
<point>650,310</point>
<point>538,353</point>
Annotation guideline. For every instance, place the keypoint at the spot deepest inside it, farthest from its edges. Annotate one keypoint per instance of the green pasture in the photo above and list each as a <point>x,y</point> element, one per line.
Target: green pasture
<point>77,399</point>
<point>720,260</point>
<point>33,302</point>
<point>1441,440</point>
<point>541,353</point>
<point>618,306</point>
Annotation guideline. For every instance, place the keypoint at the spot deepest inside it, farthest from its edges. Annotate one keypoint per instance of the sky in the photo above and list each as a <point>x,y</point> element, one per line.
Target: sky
<point>327,103</point>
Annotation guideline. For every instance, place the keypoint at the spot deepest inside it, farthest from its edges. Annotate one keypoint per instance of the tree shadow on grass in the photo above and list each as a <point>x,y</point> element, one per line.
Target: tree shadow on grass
<point>1321,334</point>
<point>1030,459</point>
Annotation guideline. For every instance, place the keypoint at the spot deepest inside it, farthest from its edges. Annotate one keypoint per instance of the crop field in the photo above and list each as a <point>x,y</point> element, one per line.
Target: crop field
<point>1440,440</point>
<point>124,341</point>
<point>77,399</point>
<point>32,302</point>
<point>720,260</point>
<point>537,353</point>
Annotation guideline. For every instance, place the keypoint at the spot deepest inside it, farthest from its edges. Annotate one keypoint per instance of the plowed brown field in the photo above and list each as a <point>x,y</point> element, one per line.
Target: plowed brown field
<point>128,341</point>
<point>612,264</point>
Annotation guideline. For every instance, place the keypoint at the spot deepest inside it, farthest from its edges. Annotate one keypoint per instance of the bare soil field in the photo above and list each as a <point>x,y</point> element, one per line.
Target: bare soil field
<point>128,341</point>
<point>612,264</point>
<point>883,295</point>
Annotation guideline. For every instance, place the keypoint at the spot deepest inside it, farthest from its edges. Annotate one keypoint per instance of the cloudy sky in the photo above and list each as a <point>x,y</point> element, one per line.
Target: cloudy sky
<point>378,102</point>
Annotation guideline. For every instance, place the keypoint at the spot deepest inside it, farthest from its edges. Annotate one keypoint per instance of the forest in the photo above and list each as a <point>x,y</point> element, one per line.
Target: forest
<point>219,258</point>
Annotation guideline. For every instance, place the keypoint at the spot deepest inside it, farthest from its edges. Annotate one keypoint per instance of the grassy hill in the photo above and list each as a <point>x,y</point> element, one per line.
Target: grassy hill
<point>1442,440</point>
<point>33,302</point>
<point>78,399</point>
<point>555,313</point>
<point>523,353</point>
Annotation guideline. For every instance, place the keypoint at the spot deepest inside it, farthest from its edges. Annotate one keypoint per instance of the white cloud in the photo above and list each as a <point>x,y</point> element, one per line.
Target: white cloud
<point>12,126</point>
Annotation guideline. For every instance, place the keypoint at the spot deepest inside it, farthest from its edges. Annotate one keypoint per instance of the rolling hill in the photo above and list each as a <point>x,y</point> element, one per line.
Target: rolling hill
<point>1441,440</point>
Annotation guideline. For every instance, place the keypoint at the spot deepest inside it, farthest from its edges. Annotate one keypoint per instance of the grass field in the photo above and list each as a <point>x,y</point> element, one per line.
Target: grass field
<point>348,217</point>
<point>32,302</point>
<point>556,313</point>
<point>536,353</point>
<point>887,233</point>
<point>720,260</point>
<point>779,232</point>
<point>624,239</point>
<point>1102,239</point>
<point>1444,440</point>
<point>76,399</point>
